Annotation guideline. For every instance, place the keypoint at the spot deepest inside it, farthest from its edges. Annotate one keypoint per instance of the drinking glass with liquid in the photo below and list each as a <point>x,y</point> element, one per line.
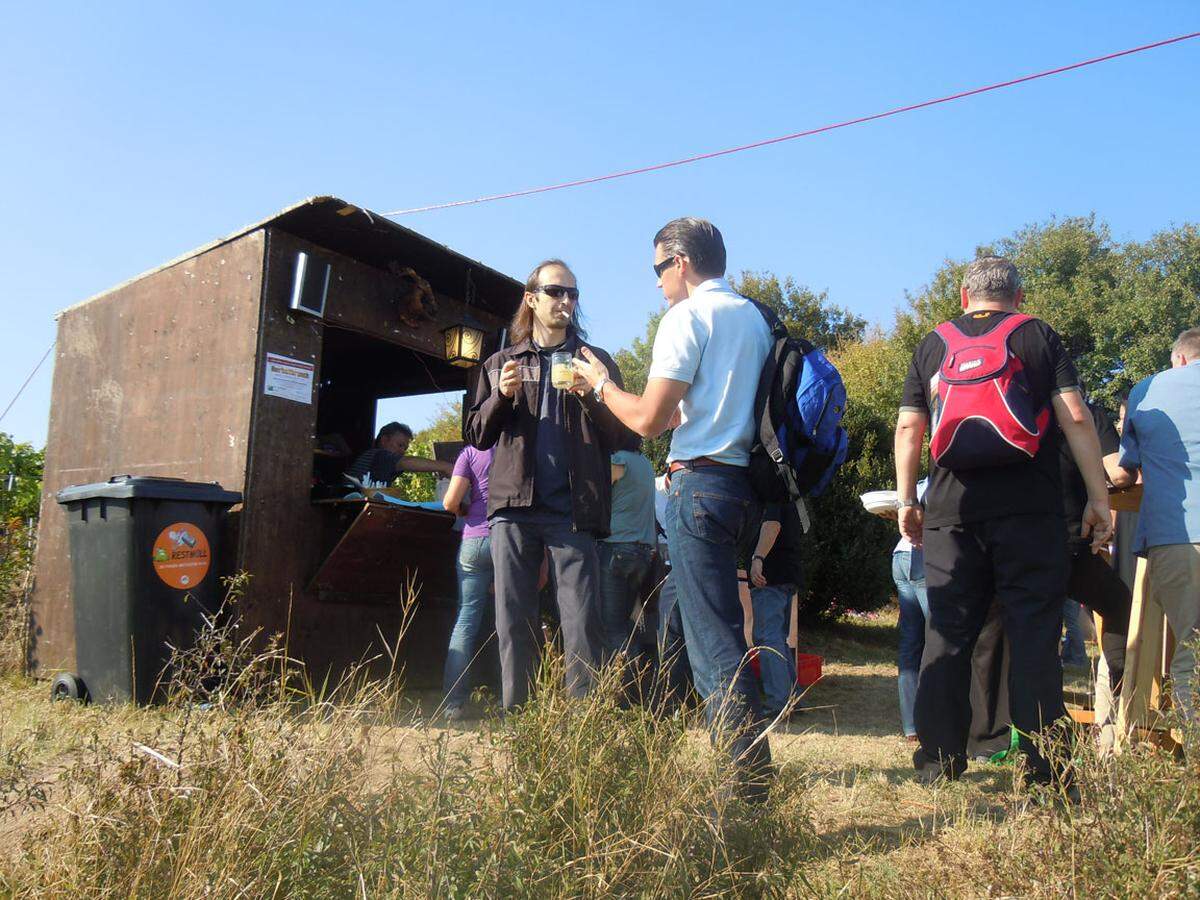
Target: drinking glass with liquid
<point>562,373</point>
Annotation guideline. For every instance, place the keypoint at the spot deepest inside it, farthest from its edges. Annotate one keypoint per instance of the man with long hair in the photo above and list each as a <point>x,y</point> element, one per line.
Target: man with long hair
<point>549,488</point>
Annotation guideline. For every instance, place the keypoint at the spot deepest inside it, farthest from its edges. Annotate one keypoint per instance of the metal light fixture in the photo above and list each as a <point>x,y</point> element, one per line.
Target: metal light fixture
<point>464,340</point>
<point>464,343</point>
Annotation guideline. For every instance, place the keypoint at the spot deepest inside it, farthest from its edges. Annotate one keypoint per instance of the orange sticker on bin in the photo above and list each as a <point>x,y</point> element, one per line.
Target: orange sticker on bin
<point>181,555</point>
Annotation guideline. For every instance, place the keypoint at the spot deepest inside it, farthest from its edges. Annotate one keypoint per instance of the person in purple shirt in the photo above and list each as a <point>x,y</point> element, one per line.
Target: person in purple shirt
<point>467,497</point>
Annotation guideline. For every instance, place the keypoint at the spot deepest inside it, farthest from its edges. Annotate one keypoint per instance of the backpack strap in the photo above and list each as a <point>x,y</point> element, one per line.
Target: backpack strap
<point>762,399</point>
<point>766,436</point>
<point>1010,324</point>
<point>950,332</point>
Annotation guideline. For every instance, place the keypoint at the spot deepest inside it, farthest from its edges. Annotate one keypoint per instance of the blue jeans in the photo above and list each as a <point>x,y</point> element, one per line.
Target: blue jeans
<point>772,607</point>
<point>1072,649</point>
<point>710,513</point>
<point>623,571</point>
<point>476,613</point>
<point>908,571</point>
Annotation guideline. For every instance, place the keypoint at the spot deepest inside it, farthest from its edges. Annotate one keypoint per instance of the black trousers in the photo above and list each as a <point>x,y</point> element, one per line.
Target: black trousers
<point>991,723</point>
<point>1021,562</point>
<point>1096,584</point>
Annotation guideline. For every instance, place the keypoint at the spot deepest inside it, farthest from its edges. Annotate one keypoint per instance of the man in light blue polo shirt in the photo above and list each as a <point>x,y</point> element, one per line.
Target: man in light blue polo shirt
<point>707,359</point>
<point>1162,438</point>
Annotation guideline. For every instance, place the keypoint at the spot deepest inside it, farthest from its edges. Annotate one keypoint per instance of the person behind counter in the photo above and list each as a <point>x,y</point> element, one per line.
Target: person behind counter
<point>388,458</point>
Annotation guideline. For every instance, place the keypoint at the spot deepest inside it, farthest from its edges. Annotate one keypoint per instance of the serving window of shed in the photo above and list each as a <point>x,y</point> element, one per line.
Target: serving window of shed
<point>357,371</point>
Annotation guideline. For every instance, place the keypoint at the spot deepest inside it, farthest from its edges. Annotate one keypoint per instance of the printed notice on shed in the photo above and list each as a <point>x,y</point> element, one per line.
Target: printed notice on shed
<point>291,379</point>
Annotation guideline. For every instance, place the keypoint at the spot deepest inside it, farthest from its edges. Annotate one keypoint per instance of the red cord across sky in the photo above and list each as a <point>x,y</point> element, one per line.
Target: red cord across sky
<point>799,134</point>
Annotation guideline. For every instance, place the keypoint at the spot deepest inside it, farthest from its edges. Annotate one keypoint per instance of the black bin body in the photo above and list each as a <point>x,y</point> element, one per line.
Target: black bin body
<point>145,567</point>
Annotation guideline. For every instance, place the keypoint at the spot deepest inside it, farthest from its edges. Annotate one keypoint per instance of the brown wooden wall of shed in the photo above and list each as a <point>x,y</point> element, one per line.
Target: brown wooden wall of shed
<point>283,536</point>
<point>155,378</point>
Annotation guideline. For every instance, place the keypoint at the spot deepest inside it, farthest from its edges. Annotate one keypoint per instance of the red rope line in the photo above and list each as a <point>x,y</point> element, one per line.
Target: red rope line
<point>799,134</point>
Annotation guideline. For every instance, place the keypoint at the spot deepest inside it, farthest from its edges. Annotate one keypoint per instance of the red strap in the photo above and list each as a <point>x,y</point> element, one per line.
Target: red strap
<point>950,332</point>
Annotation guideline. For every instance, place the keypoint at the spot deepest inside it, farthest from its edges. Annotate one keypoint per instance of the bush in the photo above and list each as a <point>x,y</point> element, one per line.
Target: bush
<point>16,564</point>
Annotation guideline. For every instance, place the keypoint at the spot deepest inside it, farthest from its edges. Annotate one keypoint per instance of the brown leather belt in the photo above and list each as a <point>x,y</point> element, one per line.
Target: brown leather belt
<point>699,462</point>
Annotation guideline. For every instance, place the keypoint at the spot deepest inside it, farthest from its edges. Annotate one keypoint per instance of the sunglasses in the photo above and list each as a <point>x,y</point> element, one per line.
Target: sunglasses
<point>558,291</point>
<point>661,267</point>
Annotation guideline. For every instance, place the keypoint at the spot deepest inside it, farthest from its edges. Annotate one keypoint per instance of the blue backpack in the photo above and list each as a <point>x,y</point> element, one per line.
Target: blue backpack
<point>799,441</point>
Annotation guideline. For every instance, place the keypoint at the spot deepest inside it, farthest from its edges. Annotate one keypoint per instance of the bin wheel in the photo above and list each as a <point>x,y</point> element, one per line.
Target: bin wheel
<point>68,686</point>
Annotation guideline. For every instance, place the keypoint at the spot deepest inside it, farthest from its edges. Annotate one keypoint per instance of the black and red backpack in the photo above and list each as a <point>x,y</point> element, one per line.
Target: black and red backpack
<point>984,414</point>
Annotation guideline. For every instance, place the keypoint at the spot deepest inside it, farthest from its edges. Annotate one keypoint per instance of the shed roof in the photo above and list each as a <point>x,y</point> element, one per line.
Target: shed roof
<point>375,240</point>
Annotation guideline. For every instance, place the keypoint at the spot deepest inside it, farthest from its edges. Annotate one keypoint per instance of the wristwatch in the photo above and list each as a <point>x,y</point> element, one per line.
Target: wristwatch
<point>598,390</point>
<point>759,558</point>
<point>912,501</point>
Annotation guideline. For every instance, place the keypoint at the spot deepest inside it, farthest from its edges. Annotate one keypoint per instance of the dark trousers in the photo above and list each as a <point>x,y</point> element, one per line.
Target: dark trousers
<point>1021,561</point>
<point>991,724</point>
<point>1096,584</point>
<point>674,680</point>
<point>517,551</point>
<point>623,570</point>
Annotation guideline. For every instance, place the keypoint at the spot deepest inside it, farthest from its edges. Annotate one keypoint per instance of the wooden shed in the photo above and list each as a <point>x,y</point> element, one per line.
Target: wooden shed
<point>239,363</point>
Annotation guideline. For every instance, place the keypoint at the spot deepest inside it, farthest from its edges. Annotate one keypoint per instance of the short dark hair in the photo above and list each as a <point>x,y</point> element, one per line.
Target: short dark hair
<point>698,240</point>
<point>393,428</point>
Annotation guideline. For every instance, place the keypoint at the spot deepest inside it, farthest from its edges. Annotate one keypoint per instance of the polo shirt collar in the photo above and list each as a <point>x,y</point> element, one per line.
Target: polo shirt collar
<point>712,284</point>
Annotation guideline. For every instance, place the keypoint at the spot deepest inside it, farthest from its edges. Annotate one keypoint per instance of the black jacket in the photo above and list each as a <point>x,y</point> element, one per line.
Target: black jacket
<point>510,425</point>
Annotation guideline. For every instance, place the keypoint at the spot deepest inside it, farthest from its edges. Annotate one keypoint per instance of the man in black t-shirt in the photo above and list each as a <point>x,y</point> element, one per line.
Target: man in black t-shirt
<point>994,531</point>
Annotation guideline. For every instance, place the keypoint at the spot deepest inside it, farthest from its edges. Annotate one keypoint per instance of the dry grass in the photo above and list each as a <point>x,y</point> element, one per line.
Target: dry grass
<point>249,784</point>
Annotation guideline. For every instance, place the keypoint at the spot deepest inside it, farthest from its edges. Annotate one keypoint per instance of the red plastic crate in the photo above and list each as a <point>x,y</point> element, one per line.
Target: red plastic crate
<point>808,669</point>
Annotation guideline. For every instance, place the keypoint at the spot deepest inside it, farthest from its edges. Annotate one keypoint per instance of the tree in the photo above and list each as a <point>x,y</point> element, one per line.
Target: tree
<point>446,426</point>
<point>634,363</point>
<point>806,314</point>
<point>20,480</point>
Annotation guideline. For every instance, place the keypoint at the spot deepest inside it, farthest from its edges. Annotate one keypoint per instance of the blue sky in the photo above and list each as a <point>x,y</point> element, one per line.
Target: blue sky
<point>135,132</point>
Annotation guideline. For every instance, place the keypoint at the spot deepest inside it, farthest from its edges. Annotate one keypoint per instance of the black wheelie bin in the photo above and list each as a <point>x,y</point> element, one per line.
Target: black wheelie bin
<point>145,569</point>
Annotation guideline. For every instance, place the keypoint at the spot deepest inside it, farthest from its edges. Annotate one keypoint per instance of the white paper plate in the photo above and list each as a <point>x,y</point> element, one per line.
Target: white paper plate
<point>877,502</point>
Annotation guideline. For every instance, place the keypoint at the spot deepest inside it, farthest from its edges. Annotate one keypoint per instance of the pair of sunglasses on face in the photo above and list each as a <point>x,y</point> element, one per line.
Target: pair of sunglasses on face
<point>558,291</point>
<point>661,267</point>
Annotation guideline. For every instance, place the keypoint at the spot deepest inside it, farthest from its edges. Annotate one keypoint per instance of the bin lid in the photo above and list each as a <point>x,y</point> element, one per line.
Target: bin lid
<point>150,487</point>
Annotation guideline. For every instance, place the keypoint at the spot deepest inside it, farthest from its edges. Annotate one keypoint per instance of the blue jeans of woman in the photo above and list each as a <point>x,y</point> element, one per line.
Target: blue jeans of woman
<point>772,605</point>
<point>476,615</point>
<point>908,571</point>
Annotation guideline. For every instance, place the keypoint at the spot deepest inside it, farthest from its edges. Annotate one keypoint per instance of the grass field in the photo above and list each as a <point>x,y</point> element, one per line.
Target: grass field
<point>356,794</point>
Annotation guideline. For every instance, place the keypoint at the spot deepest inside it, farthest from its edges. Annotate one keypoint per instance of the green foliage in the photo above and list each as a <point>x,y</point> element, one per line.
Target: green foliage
<point>446,426</point>
<point>806,314</point>
<point>18,523</point>
<point>634,363</point>
<point>847,558</point>
<point>24,465</point>
<point>16,568</point>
